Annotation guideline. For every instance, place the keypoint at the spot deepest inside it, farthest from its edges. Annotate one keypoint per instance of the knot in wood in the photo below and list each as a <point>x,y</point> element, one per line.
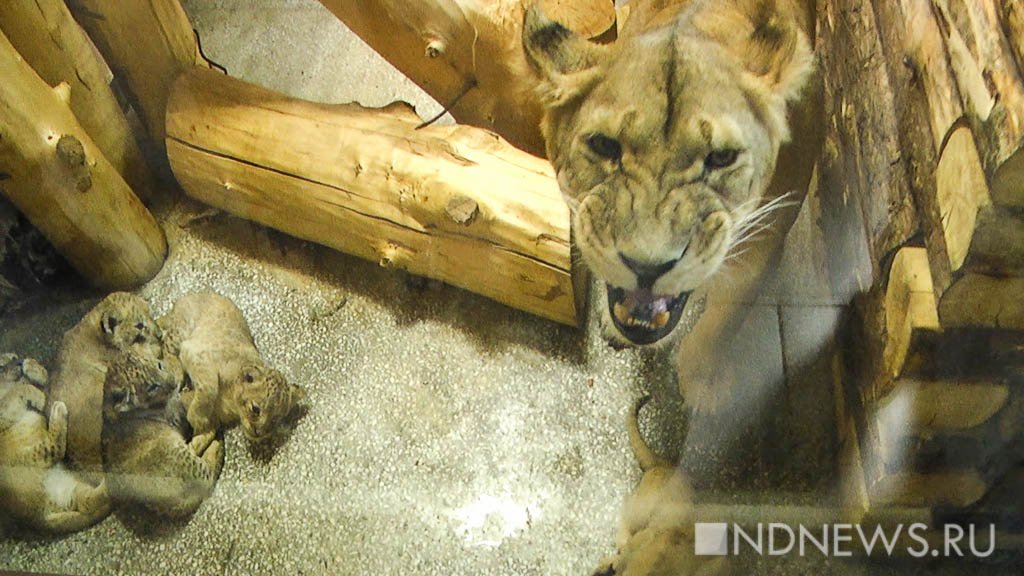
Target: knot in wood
<point>462,209</point>
<point>71,153</point>
<point>436,48</point>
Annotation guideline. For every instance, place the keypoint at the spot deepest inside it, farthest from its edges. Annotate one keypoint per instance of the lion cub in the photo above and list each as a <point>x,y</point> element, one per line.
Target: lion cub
<point>231,383</point>
<point>34,487</point>
<point>656,533</point>
<point>120,322</point>
<point>147,457</point>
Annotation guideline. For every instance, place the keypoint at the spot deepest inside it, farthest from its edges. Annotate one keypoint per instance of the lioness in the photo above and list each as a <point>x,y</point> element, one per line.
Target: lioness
<point>656,536</point>
<point>664,144</point>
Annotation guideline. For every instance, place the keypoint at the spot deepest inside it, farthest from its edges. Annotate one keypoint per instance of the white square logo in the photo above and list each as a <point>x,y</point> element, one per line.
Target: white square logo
<point>711,540</point>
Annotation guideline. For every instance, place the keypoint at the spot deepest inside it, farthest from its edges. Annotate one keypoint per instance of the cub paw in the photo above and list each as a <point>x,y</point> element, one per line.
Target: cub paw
<point>58,414</point>
<point>35,372</point>
<point>201,443</point>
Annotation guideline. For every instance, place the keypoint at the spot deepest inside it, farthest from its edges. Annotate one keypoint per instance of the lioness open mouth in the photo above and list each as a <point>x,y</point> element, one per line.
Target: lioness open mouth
<point>642,316</point>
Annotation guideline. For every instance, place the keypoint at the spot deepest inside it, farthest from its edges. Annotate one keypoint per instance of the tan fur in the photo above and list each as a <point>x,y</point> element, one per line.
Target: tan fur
<point>120,322</point>
<point>34,486</point>
<point>693,99</point>
<point>232,384</point>
<point>147,458</point>
<point>656,531</point>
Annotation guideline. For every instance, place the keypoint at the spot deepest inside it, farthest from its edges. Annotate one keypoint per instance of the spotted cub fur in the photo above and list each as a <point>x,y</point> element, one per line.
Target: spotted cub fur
<point>147,456</point>
<point>34,487</point>
<point>120,322</point>
<point>232,384</point>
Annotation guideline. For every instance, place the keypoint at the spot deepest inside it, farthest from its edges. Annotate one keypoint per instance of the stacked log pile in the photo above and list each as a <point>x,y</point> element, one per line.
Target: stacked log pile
<point>934,410</point>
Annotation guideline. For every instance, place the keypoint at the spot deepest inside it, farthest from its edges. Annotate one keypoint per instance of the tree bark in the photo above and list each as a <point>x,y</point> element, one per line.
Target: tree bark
<point>450,202</point>
<point>57,48</point>
<point>147,43</point>
<point>450,46</point>
<point>988,75</point>
<point>58,178</point>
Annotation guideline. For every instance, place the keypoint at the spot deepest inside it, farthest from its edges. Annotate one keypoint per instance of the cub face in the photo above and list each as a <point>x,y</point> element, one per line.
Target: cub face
<point>264,401</point>
<point>664,144</point>
<point>126,321</point>
<point>140,381</point>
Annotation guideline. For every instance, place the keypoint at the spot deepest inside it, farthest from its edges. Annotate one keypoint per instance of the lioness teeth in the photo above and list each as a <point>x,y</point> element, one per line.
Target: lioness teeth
<point>660,319</point>
<point>622,314</point>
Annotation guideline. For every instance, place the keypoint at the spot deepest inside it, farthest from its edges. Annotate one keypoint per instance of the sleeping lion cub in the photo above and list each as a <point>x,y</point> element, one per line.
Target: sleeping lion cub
<point>656,533</point>
<point>665,146</point>
<point>147,458</point>
<point>120,322</point>
<point>34,486</point>
<point>231,383</point>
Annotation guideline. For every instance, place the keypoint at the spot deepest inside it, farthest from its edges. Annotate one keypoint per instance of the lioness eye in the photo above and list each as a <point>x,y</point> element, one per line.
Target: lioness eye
<point>255,410</point>
<point>721,158</point>
<point>605,147</point>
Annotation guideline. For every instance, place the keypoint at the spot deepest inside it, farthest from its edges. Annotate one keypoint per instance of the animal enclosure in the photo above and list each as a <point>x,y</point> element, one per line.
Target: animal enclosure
<point>414,293</point>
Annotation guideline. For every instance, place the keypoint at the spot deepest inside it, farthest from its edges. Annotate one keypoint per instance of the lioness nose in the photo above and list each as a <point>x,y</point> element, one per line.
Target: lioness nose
<point>646,273</point>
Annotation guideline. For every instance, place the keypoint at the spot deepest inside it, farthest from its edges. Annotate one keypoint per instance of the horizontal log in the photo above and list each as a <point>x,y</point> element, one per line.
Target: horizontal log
<point>446,46</point>
<point>955,488</point>
<point>980,300</point>
<point>147,43</point>
<point>923,408</point>
<point>46,35</point>
<point>58,178</point>
<point>449,202</point>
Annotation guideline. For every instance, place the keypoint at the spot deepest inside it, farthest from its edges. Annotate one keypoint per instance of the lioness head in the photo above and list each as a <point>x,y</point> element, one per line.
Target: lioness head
<point>664,144</point>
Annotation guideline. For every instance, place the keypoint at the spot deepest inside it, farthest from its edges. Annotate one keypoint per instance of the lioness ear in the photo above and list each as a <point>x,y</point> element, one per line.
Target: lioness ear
<point>777,50</point>
<point>566,62</point>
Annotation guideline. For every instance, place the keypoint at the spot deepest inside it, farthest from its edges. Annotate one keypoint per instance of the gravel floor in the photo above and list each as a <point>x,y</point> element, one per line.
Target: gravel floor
<point>446,434</point>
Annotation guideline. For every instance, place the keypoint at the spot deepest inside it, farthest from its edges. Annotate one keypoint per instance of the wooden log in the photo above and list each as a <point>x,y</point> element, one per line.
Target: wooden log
<point>945,405</point>
<point>981,300</point>
<point>63,184</point>
<point>1012,12</point>
<point>955,488</point>
<point>147,43</point>
<point>46,35</point>
<point>909,308</point>
<point>447,47</point>
<point>450,202</point>
<point>863,174</point>
<point>988,76</point>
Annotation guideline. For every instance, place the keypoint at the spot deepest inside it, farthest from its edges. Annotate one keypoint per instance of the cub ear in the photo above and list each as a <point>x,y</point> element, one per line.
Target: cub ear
<point>565,61</point>
<point>109,322</point>
<point>298,394</point>
<point>776,50</point>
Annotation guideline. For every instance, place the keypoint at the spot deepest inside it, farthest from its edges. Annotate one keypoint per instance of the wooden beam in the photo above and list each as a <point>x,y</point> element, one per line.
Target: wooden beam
<point>445,47</point>
<point>990,80</point>
<point>981,300</point>
<point>449,202</point>
<point>59,179</point>
<point>57,48</point>
<point>147,43</point>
